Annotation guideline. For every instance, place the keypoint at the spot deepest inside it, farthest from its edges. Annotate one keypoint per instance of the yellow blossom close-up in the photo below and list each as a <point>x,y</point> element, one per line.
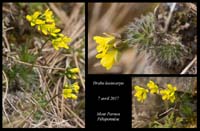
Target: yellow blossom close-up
<point>49,29</point>
<point>76,87</point>
<point>106,51</point>
<point>74,70</point>
<point>49,16</point>
<point>171,88</point>
<point>109,59</point>
<point>70,91</point>
<point>67,93</point>
<point>140,93</point>
<point>61,42</point>
<point>72,73</point>
<point>153,87</point>
<point>46,24</point>
<point>34,20</point>
<point>169,93</point>
<point>104,43</point>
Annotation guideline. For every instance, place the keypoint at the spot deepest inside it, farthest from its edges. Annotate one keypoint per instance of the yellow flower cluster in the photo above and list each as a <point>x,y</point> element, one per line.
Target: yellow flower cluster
<point>71,91</point>
<point>106,51</point>
<point>46,24</point>
<point>167,94</point>
<point>153,87</point>
<point>71,73</point>
<point>140,93</point>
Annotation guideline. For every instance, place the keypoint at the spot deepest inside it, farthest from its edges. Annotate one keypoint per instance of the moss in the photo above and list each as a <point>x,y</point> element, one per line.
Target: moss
<point>170,55</point>
<point>140,32</point>
<point>172,49</point>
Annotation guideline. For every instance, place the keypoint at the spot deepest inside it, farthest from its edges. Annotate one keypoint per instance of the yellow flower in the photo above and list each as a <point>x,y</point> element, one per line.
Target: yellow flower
<point>46,24</point>
<point>49,16</point>
<point>76,87</point>
<point>109,58</point>
<point>169,93</point>
<point>72,73</point>
<point>104,43</point>
<point>106,51</point>
<point>49,29</point>
<point>74,70</point>
<point>74,77</point>
<point>153,87</point>
<point>67,93</point>
<point>140,93</point>
<point>70,91</point>
<point>61,42</point>
<point>34,19</point>
<point>73,96</point>
<point>171,88</point>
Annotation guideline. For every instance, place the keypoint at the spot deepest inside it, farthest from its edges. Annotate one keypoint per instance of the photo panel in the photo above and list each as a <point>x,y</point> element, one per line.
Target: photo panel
<point>43,74</point>
<point>164,102</point>
<point>142,38</point>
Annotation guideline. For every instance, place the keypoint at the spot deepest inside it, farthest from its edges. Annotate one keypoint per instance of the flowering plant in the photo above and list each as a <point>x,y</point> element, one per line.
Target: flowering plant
<point>167,94</point>
<point>106,50</point>
<point>45,23</point>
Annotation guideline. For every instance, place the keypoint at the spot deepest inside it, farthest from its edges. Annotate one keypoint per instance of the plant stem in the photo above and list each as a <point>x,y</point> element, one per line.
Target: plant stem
<point>34,65</point>
<point>52,98</point>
